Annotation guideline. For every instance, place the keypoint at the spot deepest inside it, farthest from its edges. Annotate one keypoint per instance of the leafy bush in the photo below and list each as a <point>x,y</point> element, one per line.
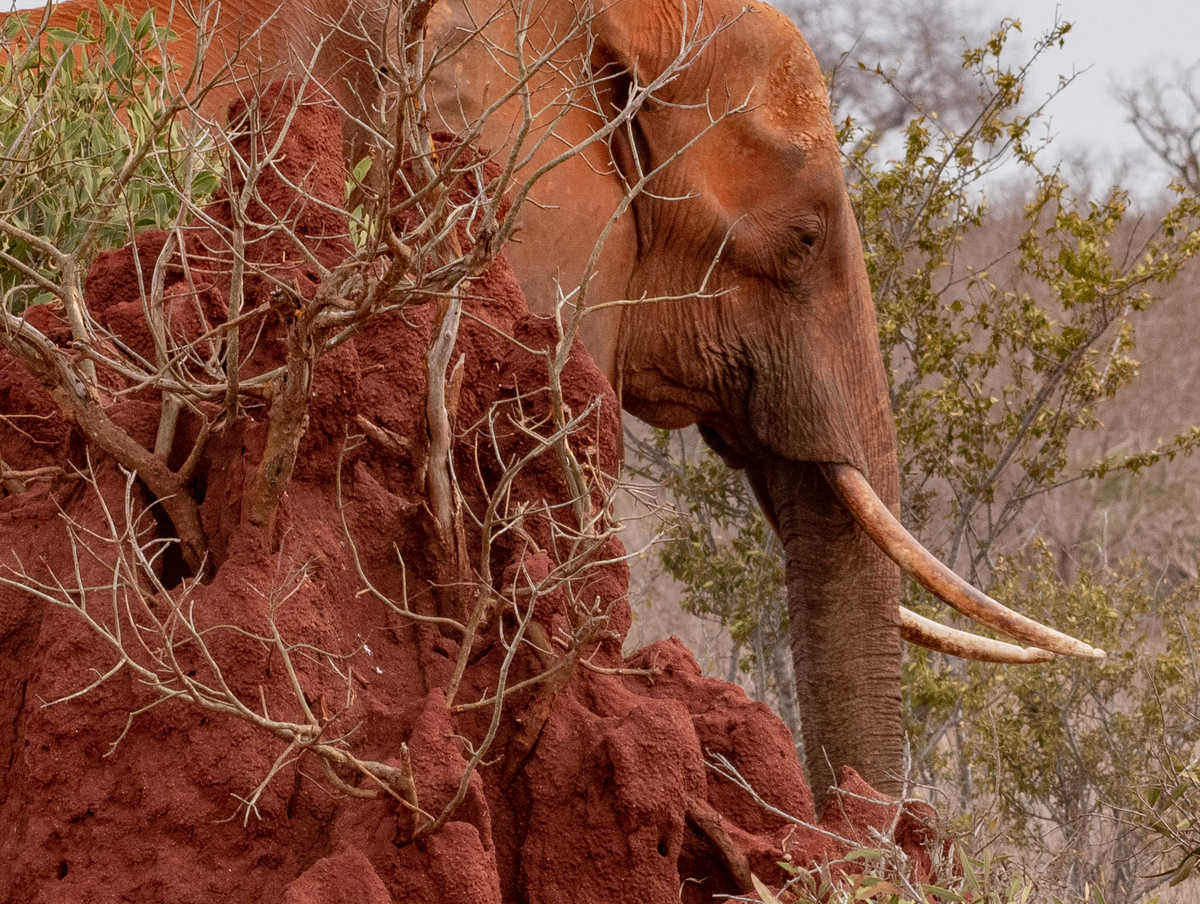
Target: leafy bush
<point>119,163</point>
<point>1062,757</point>
<point>725,556</point>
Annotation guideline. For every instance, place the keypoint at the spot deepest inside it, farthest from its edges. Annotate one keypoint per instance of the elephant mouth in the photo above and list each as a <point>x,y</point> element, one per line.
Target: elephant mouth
<point>861,504</point>
<point>715,441</point>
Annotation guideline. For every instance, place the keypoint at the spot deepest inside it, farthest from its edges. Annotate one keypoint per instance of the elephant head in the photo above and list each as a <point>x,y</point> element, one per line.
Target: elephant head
<point>757,325</point>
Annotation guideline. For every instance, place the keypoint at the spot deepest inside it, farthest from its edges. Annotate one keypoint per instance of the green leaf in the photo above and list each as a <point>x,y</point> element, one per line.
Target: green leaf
<point>764,894</point>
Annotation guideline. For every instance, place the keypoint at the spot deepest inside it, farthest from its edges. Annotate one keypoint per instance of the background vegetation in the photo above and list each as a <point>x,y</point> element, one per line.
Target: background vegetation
<point>78,182</point>
<point>1036,329</point>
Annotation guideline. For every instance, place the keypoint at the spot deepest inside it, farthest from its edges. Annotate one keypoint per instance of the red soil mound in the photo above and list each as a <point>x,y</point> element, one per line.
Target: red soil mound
<point>594,786</point>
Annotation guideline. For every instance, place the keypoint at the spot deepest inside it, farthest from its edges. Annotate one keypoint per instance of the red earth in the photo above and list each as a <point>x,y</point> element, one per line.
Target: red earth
<point>595,786</point>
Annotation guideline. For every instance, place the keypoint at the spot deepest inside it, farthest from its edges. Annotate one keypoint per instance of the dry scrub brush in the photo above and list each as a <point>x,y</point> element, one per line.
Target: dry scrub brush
<point>302,265</point>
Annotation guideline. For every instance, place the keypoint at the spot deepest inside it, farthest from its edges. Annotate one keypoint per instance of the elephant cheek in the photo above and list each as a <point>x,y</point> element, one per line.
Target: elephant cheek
<point>843,611</point>
<point>805,414</point>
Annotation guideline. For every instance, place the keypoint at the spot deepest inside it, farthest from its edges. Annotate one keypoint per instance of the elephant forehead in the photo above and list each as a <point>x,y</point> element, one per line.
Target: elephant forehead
<point>789,91</point>
<point>795,102</point>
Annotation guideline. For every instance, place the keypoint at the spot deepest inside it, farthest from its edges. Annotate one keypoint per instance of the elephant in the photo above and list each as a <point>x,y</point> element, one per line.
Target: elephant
<point>770,345</point>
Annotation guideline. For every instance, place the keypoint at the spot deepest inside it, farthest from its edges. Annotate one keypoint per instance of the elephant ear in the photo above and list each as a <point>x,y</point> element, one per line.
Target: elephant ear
<point>645,37</point>
<point>643,40</point>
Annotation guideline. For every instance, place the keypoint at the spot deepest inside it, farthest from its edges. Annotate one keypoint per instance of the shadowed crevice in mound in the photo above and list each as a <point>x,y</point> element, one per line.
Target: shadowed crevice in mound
<point>595,787</point>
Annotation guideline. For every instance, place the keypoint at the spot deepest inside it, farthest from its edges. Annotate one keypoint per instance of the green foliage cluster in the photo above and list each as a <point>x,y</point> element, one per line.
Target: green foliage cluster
<point>93,150</point>
<point>1072,749</point>
<point>725,557</point>
<point>722,551</point>
<point>996,369</point>
<point>995,376</point>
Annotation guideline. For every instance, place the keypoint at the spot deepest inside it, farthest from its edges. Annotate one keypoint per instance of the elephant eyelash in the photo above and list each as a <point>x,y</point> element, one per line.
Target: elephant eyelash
<point>806,237</point>
<point>794,248</point>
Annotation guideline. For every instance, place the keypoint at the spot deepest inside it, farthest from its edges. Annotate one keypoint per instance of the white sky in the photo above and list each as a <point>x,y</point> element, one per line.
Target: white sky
<point>1116,42</point>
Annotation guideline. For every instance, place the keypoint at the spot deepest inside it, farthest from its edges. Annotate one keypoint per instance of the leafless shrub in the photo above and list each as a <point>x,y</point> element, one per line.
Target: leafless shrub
<point>427,216</point>
<point>1166,114</point>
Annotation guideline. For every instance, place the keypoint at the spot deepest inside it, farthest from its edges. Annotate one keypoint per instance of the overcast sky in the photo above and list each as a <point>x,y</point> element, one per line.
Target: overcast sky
<point>1112,41</point>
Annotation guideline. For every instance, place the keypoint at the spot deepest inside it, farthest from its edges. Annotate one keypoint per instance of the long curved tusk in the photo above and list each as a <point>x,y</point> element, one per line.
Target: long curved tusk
<point>918,629</point>
<point>903,549</point>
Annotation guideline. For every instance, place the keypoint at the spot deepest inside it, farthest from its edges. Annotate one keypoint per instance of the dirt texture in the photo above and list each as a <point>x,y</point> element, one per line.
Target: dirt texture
<point>595,785</point>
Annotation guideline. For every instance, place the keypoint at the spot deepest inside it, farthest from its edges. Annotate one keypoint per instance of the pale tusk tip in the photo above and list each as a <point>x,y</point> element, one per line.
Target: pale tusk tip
<point>1084,651</point>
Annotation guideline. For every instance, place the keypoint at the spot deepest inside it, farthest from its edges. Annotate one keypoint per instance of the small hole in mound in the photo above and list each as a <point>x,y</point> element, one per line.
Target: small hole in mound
<point>663,847</point>
<point>62,869</point>
<point>173,568</point>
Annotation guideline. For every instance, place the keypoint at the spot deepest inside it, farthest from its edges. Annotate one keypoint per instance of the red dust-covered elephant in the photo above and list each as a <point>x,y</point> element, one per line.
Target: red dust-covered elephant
<point>777,360</point>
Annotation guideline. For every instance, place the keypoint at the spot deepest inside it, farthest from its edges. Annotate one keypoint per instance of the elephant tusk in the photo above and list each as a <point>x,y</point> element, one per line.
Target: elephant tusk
<point>903,549</point>
<point>920,630</point>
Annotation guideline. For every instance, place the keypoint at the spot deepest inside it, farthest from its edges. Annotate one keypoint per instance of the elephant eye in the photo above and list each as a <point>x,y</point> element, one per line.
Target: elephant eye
<point>803,239</point>
<point>806,236</point>
<point>796,246</point>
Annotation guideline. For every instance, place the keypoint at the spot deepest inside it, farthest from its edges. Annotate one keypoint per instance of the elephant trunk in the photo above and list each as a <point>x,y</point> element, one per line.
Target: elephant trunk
<point>843,591</point>
<point>843,607</point>
<point>844,550</point>
<point>827,474</point>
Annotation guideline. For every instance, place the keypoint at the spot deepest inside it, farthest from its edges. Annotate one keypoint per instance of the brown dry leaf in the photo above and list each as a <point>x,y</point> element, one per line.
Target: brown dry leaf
<point>877,887</point>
